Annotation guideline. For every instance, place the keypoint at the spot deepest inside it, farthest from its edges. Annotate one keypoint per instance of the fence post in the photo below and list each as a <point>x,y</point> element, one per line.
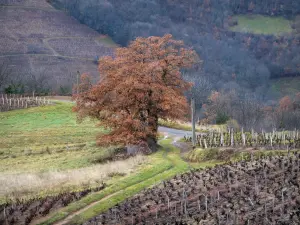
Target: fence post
<point>231,138</point>
<point>193,123</point>
<point>222,139</point>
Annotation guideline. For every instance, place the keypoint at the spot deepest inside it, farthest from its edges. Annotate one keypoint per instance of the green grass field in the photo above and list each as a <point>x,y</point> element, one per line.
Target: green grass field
<point>45,138</point>
<point>259,24</point>
<point>43,150</point>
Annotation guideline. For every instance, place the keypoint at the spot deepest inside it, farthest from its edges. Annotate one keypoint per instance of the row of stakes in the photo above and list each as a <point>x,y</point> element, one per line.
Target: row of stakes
<point>231,138</point>
<point>215,197</point>
<point>7,103</point>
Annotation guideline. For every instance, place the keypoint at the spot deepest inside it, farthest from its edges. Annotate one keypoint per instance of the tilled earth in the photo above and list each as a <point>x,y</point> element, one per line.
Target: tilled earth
<point>24,212</point>
<point>265,191</point>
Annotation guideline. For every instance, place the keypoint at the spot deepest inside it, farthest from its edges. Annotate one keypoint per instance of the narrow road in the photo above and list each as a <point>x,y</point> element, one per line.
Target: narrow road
<point>174,132</point>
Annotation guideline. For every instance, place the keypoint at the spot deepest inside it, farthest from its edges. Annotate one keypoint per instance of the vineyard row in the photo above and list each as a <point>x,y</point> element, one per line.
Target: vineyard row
<point>273,140</point>
<point>8,103</point>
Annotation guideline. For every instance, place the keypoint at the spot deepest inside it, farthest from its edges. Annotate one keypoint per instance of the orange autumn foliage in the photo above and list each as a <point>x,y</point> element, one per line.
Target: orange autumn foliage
<point>140,84</point>
<point>214,96</point>
<point>285,104</point>
<point>84,85</point>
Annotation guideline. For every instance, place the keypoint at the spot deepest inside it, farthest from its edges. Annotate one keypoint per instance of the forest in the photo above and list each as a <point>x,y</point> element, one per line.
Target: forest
<point>241,61</point>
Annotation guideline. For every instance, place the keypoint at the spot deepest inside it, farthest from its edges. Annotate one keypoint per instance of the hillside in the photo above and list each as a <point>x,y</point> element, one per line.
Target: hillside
<point>43,48</point>
<point>242,43</point>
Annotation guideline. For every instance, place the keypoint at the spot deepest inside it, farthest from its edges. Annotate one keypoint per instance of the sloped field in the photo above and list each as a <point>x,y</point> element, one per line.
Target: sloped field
<point>37,39</point>
<point>259,24</point>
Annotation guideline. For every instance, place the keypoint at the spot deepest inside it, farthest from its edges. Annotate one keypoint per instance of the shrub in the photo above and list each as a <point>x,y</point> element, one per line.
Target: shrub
<point>15,89</point>
<point>222,118</point>
<point>116,174</point>
<point>106,155</point>
<point>65,90</point>
<point>233,124</point>
<point>200,155</point>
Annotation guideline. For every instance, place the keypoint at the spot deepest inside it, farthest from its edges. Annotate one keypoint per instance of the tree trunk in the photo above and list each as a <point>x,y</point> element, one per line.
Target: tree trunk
<point>152,139</point>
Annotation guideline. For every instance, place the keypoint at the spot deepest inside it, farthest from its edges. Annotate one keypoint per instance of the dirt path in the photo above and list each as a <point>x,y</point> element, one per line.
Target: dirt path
<point>30,7</point>
<point>72,215</point>
<point>66,57</point>
<point>69,218</point>
<point>182,146</point>
<point>46,43</point>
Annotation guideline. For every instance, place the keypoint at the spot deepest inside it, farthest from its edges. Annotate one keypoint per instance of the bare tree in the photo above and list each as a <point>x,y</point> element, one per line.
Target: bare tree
<point>38,82</point>
<point>5,73</point>
<point>248,112</point>
<point>201,89</point>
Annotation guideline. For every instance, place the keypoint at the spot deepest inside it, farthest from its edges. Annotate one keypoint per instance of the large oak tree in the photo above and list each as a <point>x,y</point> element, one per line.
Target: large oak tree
<point>140,84</point>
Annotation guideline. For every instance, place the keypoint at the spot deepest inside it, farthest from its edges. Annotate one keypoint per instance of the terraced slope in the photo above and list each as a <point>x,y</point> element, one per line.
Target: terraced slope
<point>37,39</point>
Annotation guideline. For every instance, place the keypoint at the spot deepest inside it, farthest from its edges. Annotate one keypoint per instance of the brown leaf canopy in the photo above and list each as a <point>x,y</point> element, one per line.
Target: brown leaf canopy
<point>139,85</point>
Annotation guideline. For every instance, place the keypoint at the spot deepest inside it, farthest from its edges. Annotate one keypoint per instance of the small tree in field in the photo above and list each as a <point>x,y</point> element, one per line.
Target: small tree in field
<point>139,85</point>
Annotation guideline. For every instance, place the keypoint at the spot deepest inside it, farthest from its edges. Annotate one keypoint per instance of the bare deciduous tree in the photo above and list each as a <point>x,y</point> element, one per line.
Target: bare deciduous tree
<point>201,89</point>
<point>38,82</point>
<point>248,112</point>
<point>5,73</point>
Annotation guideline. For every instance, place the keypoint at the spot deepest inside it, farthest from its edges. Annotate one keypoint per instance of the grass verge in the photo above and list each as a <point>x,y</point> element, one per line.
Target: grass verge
<point>163,165</point>
<point>46,143</point>
<point>216,155</point>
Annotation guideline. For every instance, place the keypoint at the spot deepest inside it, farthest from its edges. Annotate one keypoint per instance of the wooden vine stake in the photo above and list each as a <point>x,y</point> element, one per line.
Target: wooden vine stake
<point>193,123</point>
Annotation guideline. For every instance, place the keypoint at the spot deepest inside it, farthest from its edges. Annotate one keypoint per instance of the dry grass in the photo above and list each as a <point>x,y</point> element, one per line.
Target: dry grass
<point>29,184</point>
<point>181,125</point>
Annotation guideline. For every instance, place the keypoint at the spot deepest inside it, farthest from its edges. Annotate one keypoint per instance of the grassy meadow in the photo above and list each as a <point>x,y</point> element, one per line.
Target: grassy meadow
<point>259,24</point>
<point>46,138</point>
<point>43,150</point>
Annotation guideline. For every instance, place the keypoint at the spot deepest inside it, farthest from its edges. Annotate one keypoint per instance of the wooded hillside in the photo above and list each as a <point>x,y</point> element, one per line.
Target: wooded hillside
<point>231,60</point>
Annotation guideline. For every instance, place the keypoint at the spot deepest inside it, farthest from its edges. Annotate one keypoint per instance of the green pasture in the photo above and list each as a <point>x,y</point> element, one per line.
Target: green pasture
<point>259,24</point>
<point>45,138</point>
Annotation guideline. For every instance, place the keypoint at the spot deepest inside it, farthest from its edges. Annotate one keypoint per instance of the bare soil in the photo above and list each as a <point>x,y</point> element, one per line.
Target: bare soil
<point>265,191</point>
<point>24,212</point>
